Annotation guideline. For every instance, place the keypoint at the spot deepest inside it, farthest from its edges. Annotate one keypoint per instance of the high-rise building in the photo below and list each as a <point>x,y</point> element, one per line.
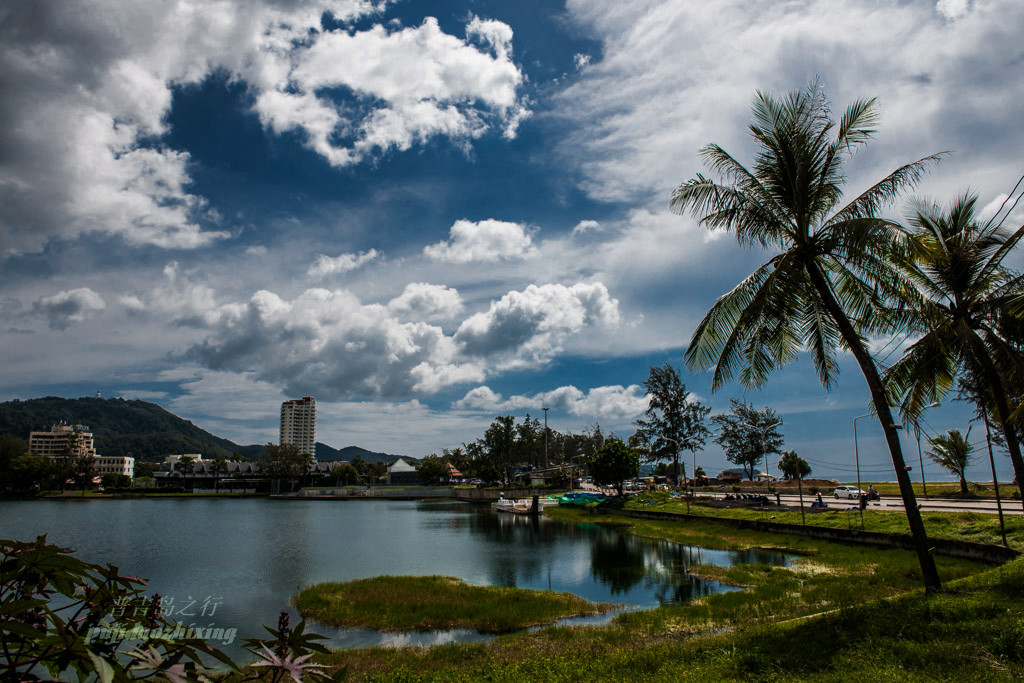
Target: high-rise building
<point>62,441</point>
<point>298,424</point>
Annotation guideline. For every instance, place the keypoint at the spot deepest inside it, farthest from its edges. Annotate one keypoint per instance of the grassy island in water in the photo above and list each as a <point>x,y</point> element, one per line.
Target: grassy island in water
<point>419,603</point>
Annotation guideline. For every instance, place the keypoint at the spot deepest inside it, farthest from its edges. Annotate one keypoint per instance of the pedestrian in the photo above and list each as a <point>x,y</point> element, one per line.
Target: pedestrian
<point>778,499</point>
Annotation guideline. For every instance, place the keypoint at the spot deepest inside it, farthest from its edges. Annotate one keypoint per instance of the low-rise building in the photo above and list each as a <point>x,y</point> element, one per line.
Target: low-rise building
<point>110,464</point>
<point>401,472</point>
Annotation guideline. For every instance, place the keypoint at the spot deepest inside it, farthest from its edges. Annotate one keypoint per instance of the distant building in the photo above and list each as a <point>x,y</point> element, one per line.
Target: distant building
<point>401,472</point>
<point>298,424</point>
<point>109,464</point>
<point>62,441</point>
<point>172,460</point>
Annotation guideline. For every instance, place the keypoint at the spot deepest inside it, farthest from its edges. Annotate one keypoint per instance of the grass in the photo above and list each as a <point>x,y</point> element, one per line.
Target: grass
<point>404,603</point>
<point>841,612</point>
<point>964,526</point>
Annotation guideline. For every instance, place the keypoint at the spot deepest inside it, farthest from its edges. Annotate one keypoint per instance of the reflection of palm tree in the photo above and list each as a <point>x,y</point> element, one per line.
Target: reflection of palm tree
<point>821,290</point>
<point>953,452</point>
<point>960,306</point>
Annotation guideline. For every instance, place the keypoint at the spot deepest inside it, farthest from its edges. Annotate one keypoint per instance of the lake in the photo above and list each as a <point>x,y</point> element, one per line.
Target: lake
<point>234,563</point>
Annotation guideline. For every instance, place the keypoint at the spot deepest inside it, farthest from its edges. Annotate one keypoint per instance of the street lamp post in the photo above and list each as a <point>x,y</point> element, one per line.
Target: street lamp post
<point>920,457</point>
<point>764,447</point>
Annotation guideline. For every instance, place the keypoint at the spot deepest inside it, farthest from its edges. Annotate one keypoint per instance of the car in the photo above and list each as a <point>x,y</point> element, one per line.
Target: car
<point>850,492</point>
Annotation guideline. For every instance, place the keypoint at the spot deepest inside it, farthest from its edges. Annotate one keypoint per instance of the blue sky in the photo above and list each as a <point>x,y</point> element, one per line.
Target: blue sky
<point>427,214</point>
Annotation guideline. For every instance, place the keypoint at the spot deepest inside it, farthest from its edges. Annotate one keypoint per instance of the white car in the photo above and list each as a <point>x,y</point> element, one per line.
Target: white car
<point>850,492</point>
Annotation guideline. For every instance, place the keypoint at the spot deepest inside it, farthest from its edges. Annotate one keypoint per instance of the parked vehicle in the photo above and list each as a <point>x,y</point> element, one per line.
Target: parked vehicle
<point>849,492</point>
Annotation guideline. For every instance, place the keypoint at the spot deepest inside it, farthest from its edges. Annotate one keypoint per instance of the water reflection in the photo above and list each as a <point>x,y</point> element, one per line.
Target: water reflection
<point>254,554</point>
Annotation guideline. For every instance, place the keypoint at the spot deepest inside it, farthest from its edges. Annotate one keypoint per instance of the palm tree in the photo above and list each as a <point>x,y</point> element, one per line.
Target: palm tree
<point>961,306</point>
<point>833,269</point>
<point>954,453</point>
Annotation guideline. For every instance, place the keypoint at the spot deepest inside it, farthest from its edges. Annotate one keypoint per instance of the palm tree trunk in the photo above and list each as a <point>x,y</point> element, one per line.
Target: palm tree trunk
<point>878,398</point>
<point>1002,406</point>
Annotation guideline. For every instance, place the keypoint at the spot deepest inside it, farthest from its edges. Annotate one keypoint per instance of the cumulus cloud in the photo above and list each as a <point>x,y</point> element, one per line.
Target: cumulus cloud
<point>88,89</point>
<point>483,242</point>
<point>423,83</point>
<point>608,403</point>
<point>325,265</point>
<point>68,307</point>
<point>330,344</point>
<point>423,301</point>
<point>530,326</point>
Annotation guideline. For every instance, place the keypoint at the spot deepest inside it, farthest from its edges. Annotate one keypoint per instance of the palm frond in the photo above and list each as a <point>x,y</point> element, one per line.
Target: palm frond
<point>885,191</point>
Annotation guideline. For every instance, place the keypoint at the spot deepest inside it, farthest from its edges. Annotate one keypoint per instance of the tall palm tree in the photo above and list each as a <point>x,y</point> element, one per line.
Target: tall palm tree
<point>833,269</point>
<point>953,452</point>
<point>961,304</point>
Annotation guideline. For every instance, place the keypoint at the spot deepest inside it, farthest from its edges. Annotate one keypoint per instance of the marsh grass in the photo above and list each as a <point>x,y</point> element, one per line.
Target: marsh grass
<point>407,603</point>
<point>840,612</point>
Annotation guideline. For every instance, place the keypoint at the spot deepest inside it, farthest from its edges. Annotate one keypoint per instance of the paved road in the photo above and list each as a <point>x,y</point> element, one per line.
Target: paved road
<point>1010,506</point>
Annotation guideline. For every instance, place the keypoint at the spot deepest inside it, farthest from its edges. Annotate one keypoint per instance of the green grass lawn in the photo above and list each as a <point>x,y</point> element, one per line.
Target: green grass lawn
<point>841,612</point>
<point>964,526</point>
<point>405,603</point>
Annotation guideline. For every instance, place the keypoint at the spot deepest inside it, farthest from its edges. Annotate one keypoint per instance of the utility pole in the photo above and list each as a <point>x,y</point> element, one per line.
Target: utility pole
<point>545,409</point>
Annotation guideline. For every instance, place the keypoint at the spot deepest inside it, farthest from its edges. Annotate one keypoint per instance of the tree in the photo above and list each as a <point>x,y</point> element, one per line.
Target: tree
<point>115,481</point>
<point>83,471</point>
<point>345,475</point>
<point>613,463</point>
<point>960,305</point>
<point>793,466</point>
<point>673,421</point>
<point>747,435</point>
<point>432,470</point>
<point>954,453</point>
<point>835,267</point>
<point>499,449</point>
<point>283,461</point>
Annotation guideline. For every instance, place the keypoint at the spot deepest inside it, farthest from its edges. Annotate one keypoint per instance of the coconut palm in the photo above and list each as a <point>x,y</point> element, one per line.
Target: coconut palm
<point>954,453</point>
<point>961,305</point>
<point>825,286</point>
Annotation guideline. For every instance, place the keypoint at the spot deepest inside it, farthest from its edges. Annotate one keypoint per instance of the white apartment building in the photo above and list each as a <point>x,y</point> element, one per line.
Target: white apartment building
<point>62,440</point>
<point>109,464</point>
<point>298,424</point>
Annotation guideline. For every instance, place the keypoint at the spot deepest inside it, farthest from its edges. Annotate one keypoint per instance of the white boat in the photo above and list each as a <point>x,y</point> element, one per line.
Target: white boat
<point>522,506</point>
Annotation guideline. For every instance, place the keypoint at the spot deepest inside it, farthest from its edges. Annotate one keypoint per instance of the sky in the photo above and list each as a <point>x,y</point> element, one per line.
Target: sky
<point>427,214</point>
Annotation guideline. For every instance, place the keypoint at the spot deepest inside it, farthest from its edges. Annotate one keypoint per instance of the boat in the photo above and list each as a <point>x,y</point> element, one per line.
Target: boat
<point>519,507</point>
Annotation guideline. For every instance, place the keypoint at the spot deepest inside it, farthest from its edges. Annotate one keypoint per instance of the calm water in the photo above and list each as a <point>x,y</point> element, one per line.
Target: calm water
<point>235,563</point>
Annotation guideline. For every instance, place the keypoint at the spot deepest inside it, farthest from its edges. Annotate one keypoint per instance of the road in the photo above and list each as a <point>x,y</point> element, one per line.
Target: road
<point>984,505</point>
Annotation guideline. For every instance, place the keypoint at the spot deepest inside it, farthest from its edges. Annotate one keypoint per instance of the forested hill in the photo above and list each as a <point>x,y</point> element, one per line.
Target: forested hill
<point>119,427</point>
<point>142,429</point>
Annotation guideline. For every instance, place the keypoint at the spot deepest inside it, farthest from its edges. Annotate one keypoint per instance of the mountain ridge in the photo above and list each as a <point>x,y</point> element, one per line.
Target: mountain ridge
<point>145,430</point>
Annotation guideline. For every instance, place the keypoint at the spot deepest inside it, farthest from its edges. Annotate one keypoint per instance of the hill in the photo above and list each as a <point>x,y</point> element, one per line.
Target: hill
<point>325,452</point>
<point>119,427</point>
<point>141,429</point>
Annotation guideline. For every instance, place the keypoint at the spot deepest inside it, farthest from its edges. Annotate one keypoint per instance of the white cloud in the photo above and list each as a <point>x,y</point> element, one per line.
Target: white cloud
<point>673,77</point>
<point>484,241</point>
<point>585,226</point>
<point>69,306</point>
<point>609,403</point>
<point>953,9</point>
<point>89,89</point>
<point>530,326</point>
<point>325,265</point>
<point>423,301</point>
<point>424,81</point>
